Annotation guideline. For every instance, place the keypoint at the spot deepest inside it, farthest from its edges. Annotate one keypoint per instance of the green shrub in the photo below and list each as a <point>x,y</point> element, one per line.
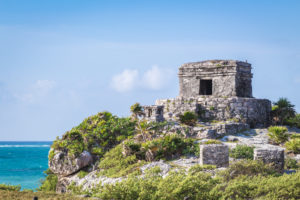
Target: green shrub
<point>188,118</point>
<point>199,168</point>
<point>82,174</point>
<point>295,136</point>
<point>96,134</point>
<point>247,167</point>
<point>290,163</point>
<point>10,187</point>
<point>256,183</point>
<point>278,134</point>
<point>212,142</point>
<point>242,152</point>
<point>293,121</point>
<point>282,110</point>
<point>171,146</point>
<point>49,183</point>
<point>115,164</point>
<point>293,145</point>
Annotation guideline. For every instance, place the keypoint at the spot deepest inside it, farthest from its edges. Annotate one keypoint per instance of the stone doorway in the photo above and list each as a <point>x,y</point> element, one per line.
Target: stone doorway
<point>205,87</point>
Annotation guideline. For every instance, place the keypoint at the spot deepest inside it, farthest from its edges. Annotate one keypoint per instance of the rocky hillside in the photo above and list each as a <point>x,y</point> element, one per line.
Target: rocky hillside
<point>106,154</point>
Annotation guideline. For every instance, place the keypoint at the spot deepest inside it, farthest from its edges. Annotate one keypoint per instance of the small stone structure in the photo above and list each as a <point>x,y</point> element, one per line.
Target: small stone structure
<point>215,89</point>
<point>214,154</point>
<point>271,155</point>
<point>154,113</point>
<point>218,78</point>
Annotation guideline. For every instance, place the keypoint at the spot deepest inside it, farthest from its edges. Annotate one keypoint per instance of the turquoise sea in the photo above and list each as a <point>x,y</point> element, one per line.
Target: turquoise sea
<point>23,163</point>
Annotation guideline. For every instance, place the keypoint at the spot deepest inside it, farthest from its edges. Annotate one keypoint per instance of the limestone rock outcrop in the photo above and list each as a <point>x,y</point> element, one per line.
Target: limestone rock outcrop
<point>65,165</point>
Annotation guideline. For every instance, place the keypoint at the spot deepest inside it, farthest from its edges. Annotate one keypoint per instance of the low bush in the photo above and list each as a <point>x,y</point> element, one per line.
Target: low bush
<point>293,122</point>
<point>49,183</point>
<point>10,187</point>
<point>171,146</point>
<point>115,164</point>
<point>212,142</point>
<point>82,174</point>
<point>96,134</point>
<point>293,145</point>
<point>290,163</point>
<point>278,134</point>
<point>256,183</point>
<point>247,167</point>
<point>188,118</point>
<point>242,152</point>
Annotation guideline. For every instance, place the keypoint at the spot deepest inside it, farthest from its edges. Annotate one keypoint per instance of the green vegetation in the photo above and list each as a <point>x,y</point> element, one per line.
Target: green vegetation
<point>248,168</point>
<point>212,142</point>
<point>293,121</point>
<point>49,183</point>
<point>29,195</point>
<point>136,110</point>
<point>10,187</point>
<point>96,134</point>
<point>282,110</point>
<point>82,174</point>
<point>293,145</point>
<point>242,152</point>
<point>278,134</point>
<point>188,118</point>
<point>243,180</point>
<point>291,163</point>
<point>116,164</point>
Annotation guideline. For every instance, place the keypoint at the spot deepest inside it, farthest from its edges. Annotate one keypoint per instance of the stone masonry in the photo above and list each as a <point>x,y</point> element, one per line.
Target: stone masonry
<point>271,155</point>
<point>219,78</point>
<point>215,90</point>
<point>214,154</point>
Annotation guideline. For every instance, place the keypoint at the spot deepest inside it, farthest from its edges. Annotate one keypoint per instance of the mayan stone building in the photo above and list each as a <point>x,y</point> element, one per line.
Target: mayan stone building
<point>214,89</point>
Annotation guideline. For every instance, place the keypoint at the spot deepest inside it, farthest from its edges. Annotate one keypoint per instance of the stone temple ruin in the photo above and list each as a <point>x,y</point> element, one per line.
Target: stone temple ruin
<point>215,90</point>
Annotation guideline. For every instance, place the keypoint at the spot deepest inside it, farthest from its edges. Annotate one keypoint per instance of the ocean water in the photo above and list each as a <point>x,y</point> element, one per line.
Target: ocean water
<point>23,163</point>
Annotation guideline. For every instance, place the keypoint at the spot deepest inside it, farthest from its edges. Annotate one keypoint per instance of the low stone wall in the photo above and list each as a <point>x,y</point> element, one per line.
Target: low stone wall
<point>255,112</point>
<point>270,155</point>
<point>214,154</point>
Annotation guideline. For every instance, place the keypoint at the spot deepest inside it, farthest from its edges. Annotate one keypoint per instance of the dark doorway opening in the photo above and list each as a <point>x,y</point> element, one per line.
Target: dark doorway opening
<point>205,87</point>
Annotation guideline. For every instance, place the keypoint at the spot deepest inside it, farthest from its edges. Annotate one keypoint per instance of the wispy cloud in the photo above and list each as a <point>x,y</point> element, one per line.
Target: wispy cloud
<point>39,90</point>
<point>125,81</point>
<point>155,78</point>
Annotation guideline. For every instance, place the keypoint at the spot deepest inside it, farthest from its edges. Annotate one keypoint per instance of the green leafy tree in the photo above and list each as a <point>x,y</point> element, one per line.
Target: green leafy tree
<point>282,110</point>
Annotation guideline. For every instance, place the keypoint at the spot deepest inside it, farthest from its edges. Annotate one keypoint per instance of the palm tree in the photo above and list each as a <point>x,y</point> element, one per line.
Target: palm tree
<point>283,109</point>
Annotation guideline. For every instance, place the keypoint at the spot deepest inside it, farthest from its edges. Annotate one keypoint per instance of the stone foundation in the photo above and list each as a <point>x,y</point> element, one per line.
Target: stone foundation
<point>255,112</point>
<point>270,155</point>
<point>214,154</point>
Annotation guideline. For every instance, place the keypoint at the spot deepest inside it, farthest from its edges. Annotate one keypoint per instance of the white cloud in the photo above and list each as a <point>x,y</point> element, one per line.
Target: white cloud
<point>37,91</point>
<point>125,81</point>
<point>155,78</point>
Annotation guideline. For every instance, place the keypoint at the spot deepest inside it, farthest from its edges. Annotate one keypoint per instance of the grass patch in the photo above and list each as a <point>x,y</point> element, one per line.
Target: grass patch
<point>278,134</point>
<point>242,152</point>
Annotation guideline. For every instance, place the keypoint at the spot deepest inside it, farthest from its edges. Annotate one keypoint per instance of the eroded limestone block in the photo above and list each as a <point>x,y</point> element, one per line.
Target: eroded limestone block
<point>64,165</point>
<point>214,154</point>
<point>270,155</point>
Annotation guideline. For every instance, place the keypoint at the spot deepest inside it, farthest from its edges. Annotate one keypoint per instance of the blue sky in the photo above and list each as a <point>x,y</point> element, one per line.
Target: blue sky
<point>62,61</point>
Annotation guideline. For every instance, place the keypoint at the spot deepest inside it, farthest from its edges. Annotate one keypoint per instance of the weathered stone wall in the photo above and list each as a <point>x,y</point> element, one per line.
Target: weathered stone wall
<point>214,154</point>
<point>255,112</point>
<point>271,155</point>
<point>230,78</point>
<point>154,113</point>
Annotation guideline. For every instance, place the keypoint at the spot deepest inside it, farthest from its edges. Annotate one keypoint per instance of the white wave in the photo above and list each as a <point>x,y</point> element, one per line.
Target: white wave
<point>8,145</point>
